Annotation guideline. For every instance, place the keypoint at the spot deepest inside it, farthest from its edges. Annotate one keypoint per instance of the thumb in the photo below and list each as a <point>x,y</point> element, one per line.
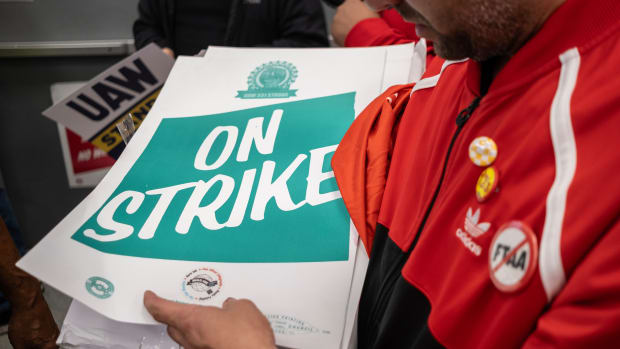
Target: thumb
<point>165,311</point>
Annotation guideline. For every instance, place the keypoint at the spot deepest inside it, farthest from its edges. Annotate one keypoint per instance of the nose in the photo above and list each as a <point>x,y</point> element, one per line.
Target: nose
<point>380,5</point>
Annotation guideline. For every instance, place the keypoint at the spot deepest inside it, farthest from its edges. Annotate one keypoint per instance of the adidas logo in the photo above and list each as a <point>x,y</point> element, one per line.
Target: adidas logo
<point>473,229</point>
<point>472,226</point>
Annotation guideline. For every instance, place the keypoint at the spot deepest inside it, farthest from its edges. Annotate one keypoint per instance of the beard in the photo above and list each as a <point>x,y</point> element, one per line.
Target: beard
<point>483,29</point>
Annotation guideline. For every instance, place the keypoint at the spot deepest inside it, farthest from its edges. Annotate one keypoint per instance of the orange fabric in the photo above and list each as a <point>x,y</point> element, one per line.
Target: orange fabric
<point>362,159</point>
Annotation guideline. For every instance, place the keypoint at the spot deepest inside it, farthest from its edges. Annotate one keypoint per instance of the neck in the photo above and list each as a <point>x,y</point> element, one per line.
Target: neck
<point>539,13</point>
<point>489,70</point>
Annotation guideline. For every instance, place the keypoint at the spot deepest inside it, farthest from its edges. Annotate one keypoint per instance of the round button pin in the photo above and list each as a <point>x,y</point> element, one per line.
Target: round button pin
<point>513,256</point>
<point>483,151</point>
<point>487,183</point>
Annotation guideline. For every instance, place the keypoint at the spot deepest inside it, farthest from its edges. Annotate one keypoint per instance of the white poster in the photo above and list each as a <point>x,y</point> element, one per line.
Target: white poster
<point>226,191</point>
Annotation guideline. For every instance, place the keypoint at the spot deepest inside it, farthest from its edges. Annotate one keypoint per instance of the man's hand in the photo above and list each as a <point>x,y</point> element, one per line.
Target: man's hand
<point>168,51</point>
<point>347,16</point>
<point>237,325</point>
<point>32,325</point>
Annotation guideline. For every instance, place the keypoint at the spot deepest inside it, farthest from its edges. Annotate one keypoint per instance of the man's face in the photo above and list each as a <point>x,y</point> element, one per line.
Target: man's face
<point>478,29</point>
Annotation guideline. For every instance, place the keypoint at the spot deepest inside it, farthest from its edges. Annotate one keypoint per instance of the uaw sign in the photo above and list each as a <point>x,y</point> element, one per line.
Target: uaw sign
<point>207,183</point>
<point>130,86</point>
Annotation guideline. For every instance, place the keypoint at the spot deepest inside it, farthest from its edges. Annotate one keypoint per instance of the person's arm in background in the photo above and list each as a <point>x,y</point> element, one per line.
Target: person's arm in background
<point>356,25</point>
<point>301,24</point>
<point>31,324</point>
<point>148,27</point>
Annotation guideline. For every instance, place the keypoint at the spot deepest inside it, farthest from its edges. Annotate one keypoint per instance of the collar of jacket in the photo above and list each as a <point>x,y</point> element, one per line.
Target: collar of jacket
<point>362,159</point>
<point>576,23</point>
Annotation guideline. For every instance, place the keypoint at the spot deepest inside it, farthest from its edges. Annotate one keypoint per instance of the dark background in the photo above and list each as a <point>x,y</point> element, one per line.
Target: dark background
<point>31,163</point>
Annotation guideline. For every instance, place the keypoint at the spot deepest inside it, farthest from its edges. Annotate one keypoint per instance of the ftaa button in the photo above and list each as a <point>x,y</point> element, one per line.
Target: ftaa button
<point>513,256</point>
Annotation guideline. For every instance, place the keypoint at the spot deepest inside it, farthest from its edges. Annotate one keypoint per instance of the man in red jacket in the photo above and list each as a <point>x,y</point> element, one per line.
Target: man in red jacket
<point>495,216</point>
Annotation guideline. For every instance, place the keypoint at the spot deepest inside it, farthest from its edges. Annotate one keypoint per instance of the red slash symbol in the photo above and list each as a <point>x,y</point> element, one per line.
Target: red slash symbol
<point>513,256</point>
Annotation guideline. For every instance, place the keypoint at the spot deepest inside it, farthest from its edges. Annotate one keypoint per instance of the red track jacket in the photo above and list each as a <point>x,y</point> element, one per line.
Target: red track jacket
<point>534,263</point>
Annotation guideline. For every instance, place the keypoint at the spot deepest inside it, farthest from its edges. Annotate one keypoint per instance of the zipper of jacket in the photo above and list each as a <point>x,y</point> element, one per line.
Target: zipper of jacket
<point>388,285</point>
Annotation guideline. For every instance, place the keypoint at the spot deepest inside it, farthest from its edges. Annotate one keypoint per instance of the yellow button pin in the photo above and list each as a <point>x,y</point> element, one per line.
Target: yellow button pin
<point>487,183</point>
<point>483,151</point>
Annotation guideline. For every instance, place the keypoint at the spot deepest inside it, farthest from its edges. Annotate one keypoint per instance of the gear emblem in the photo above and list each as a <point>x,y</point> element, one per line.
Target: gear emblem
<point>271,80</point>
<point>99,287</point>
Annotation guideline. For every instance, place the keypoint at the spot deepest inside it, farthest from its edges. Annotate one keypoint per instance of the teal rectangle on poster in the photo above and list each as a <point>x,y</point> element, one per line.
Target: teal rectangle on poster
<point>192,195</point>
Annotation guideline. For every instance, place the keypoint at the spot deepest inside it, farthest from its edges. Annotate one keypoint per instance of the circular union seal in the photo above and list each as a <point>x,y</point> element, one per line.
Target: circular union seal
<point>278,75</point>
<point>202,284</point>
<point>513,256</point>
<point>99,287</point>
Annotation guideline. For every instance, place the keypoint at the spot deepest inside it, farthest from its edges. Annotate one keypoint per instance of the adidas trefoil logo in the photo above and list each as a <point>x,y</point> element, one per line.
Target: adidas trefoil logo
<point>473,229</point>
<point>472,226</point>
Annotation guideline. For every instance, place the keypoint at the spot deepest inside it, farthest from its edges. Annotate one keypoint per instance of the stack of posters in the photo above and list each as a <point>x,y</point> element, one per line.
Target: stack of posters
<point>226,190</point>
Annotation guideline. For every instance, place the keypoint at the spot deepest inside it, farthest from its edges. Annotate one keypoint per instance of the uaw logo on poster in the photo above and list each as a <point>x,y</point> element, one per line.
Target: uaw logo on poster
<point>271,80</point>
<point>202,284</point>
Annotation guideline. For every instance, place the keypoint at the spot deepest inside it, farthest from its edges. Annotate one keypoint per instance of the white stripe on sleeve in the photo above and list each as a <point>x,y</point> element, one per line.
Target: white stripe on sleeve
<point>550,262</point>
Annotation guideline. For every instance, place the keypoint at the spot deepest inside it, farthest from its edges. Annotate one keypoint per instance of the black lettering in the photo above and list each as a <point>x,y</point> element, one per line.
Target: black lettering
<point>517,263</point>
<point>150,103</point>
<point>511,261</point>
<point>133,77</point>
<point>113,97</point>
<point>499,248</point>
<point>521,261</point>
<point>109,139</point>
<point>140,114</point>
<point>100,111</point>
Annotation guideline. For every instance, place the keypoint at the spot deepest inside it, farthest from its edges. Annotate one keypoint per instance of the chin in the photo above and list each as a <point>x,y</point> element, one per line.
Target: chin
<point>449,53</point>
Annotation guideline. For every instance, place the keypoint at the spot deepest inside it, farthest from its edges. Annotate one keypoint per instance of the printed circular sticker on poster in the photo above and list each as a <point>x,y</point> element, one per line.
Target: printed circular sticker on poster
<point>99,287</point>
<point>271,80</point>
<point>202,284</point>
<point>513,256</point>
